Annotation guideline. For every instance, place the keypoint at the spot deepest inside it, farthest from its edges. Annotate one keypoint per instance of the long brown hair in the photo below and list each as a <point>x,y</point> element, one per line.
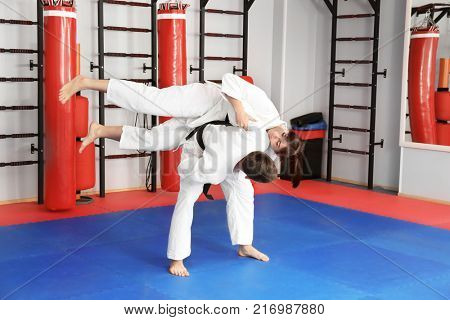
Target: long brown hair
<point>291,158</point>
<point>294,145</point>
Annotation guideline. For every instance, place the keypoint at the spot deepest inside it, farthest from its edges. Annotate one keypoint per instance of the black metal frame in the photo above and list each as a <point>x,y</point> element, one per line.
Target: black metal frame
<point>333,7</point>
<point>40,101</point>
<point>203,34</point>
<point>40,66</point>
<point>444,10</point>
<point>101,75</point>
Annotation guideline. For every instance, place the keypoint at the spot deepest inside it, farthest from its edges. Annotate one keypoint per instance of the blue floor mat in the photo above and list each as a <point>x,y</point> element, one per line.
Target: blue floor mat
<point>317,251</point>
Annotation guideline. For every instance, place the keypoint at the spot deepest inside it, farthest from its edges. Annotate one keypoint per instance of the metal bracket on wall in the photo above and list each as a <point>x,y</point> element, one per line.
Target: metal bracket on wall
<point>93,66</point>
<point>34,65</point>
<point>342,73</point>
<point>336,139</point>
<point>192,69</point>
<point>381,143</point>
<point>383,73</point>
<point>33,149</point>
<point>145,68</point>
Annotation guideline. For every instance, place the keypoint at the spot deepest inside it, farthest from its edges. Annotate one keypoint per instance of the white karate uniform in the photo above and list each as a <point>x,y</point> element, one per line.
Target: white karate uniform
<point>224,147</point>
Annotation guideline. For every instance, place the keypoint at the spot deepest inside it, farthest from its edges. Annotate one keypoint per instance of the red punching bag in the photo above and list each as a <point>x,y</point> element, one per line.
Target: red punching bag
<point>85,167</point>
<point>172,71</point>
<point>443,134</point>
<point>443,105</point>
<point>60,53</point>
<point>81,116</point>
<point>421,85</point>
<point>85,161</point>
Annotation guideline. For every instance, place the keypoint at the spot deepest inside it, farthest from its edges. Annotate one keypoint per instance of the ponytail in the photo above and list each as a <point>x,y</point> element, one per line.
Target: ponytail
<point>294,145</point>
<point>292,162</point>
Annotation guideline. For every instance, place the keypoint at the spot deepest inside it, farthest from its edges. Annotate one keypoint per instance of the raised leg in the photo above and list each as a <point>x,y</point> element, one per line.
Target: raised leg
<point>166,136</point>
<point>81,83</point>
<point>189,101</point>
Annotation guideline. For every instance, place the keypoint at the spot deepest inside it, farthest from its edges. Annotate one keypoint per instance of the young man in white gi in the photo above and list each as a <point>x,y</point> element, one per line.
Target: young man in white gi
<point>229,152</point>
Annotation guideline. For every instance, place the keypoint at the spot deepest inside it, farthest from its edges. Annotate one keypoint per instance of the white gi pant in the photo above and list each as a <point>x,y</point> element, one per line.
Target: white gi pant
<point>166,136</point>
<point>189,101</point>
<point>239,195</point>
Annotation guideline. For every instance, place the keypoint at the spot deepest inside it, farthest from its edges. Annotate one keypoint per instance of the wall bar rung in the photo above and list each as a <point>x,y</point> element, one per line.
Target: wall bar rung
<point>353,84</point>
<point>356,16</point>
<point>18,108</point>
<point>355,39</point>
<point>21,22</point>
<point>224,35</point>
<point>18,136</point>
<point>223,58</point>
<point>354,61</point>
<point>348,106</point>
<point>351,129</point>
<point>18,51</point>
<point>351,151</point>
<point>128,3</point>
<point>17,164</point>
<point>230,12</point>
<point>125,29</point>
<point>18,79</point>
<point>127,55</point>
<point>111,106</point>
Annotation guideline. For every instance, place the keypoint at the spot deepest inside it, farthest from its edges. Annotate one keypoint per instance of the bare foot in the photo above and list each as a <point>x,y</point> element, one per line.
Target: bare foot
<point>177,268</point>
<point>251,252</point>
<point>70,88</point>
<point>92,135</point>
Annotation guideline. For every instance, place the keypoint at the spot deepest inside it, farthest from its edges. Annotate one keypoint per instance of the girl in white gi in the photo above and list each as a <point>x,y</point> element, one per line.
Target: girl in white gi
<point>246,105</point>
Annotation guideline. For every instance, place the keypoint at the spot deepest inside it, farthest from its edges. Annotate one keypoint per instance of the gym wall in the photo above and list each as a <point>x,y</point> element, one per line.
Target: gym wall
<point>306,77</point>
<point>21,182</point>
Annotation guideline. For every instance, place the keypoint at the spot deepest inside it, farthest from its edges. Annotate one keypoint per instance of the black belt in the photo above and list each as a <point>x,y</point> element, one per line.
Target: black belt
<point>199,131</point>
